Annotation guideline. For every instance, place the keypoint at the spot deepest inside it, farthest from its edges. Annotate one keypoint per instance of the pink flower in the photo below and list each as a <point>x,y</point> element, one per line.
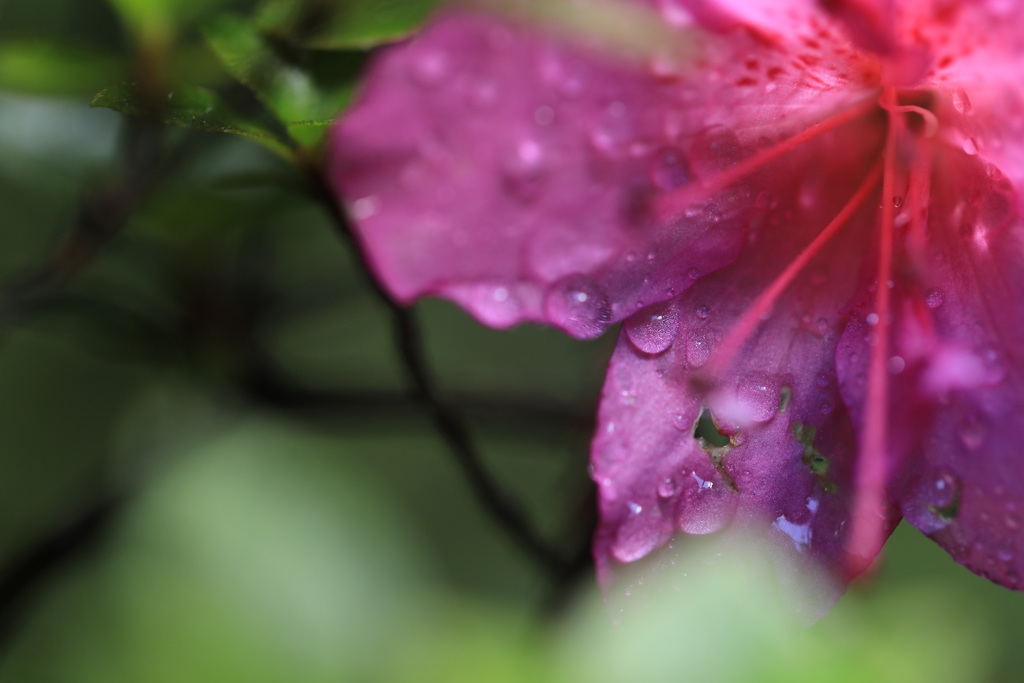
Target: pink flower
<point>804,214</point>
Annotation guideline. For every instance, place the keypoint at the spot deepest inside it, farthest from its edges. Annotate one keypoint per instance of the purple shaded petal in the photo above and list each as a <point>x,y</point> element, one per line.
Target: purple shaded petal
<point>959,392</point>
<point>516,174</point>
<point>789,468</point>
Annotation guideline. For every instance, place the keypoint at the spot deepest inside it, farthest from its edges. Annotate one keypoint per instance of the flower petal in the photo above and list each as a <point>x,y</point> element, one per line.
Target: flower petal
<point>959,387</point>
<point>515,172</point>
<point>788,470</point>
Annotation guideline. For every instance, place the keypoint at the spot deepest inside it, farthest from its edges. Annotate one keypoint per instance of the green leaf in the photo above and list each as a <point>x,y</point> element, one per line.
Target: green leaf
<point>47,69</point>
<point>344,24</point>
<point>155,21</point>
<point>188,107</point>
<point>305,90</point>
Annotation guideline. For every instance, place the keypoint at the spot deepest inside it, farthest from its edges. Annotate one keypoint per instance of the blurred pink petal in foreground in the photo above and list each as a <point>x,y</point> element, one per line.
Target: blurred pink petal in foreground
<point>804,214</point>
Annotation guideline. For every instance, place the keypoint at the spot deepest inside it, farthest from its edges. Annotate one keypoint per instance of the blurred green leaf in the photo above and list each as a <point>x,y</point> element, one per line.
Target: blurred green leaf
<point>334,24</point>
<point>47,69</point>
<point>156,21</point>
<point>188,107</point>
<point>291,84</point>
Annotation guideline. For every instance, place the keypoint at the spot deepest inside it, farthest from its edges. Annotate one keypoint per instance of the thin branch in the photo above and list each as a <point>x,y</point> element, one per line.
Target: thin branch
<point>408,338</point>
<point>48,555</point>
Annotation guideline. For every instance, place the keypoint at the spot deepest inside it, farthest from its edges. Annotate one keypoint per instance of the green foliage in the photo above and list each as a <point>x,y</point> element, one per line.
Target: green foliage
<point>187,107</point>
<point>330,25</point>
<point>49,69</point>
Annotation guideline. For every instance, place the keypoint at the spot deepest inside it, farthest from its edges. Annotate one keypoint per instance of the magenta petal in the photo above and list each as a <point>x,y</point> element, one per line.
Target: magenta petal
<point>517,175</point>
<point>789,469</point>
<point>965,488</point>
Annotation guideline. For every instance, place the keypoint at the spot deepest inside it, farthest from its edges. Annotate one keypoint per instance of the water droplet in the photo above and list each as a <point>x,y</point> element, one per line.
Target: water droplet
<point>636,537</point>
<point>365,208</point>
<point>934,298</point>
<point>543,115</point>
<point>524,170</point>
<point>970,147</point>
<point>1012,522</point>
<point>654,329</point>
<point>897,201</point>
<point>693,274</point>
<point>714,150</point>
<point>669,169</point>
<point>697,351</point>
<point>972,429</point>
<point>703,312</point>
<point>667,487</point>
<point>821,381</point>
<point>825,408</point>
<point>871,319</point>
<point>932,501</point>
<point>896,365</point>
<point>822,326</point>
<point>961,102</point>
<point>430,68</point>
<point>759,397</point>
<point>709,507</point>
<point>579,306</point>
<point>682,423</point>
<point>612,130</point>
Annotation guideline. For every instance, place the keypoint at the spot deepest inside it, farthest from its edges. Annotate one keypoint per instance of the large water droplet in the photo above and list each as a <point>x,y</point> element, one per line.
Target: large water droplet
<point>667,487</point>
<point>653,329</point>
<point>637,536</point>
<point>758,396</point>
<point>714,150</point>
<point>703,312</point>
<point>932,502</point>
<point>578,305</point>
<point>970,147</point>
<point>709,506</point>
<point>669,168</point>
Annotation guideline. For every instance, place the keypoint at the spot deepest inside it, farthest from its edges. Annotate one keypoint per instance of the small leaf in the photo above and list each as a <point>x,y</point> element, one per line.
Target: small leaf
<point>305,90</point>
<point>188,107</point>
<point>332,25</point>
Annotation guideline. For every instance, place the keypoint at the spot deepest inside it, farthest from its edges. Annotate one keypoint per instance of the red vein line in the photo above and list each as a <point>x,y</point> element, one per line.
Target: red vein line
<point>672,205</point>
<point>750,319</point>
<point>868,522</point>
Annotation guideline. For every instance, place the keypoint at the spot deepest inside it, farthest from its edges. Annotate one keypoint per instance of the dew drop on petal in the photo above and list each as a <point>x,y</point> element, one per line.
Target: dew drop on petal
<point>680,422</point>
<point>714,150</point>
<point>637,536</point>
<point>703,312</point>
<point>972,429</point>
<point>669,169</point>
<point>709,506</point>
<point>653,329</point>
<point>667,487</point>
<point>759,397</point>
<point>934,298</point>
<point>697,351</point>
<point>430,68</point>
<point>970,147</point>
<point>961,102</point>
<point>932,501</point>
<point>578,305</point>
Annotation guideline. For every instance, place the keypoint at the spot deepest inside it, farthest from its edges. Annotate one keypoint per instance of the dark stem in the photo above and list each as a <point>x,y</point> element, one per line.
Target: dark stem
<point>408,338</point>
<point>46,557</point>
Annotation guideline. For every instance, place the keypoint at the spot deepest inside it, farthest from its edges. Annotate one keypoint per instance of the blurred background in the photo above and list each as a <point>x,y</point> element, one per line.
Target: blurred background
<point>215,464</point>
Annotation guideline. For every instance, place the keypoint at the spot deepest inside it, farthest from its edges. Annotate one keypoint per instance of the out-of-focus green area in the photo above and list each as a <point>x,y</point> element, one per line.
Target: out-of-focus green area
<point>220,370</point>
